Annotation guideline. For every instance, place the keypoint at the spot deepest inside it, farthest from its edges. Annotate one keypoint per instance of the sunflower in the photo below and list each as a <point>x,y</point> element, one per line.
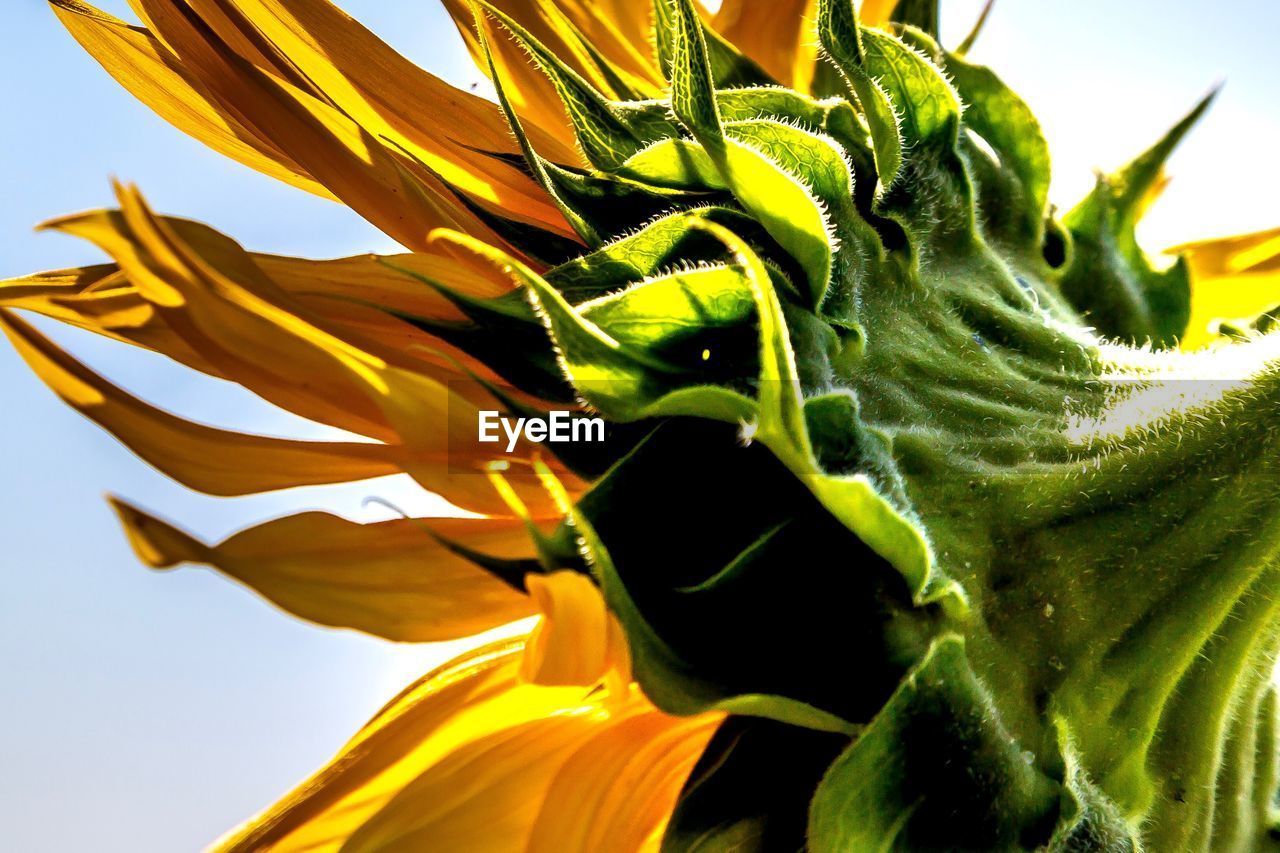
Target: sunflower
<point>907,535</point>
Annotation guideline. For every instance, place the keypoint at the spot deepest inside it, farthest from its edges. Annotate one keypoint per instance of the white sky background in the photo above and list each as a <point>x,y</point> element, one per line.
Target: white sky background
<point>149,712</point>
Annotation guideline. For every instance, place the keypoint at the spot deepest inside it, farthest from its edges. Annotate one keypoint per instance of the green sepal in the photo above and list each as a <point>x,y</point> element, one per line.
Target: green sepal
<point>935,770</point>
<point>1110,279</point>
<point>606,135</point>
<point>975,31</point>
<point>840,34</point>
<point>664,243</point>
<point>1087,819</point>
<point>616,205</point>
<point>729,66</point>
<point>502,333</point>
<point>750,790</point>
<point>717,496</point>
<point>537,244</point>
<point>666,679</point>
<point>536,165</point>
<point>512,572</point>
<point>1014,199</point>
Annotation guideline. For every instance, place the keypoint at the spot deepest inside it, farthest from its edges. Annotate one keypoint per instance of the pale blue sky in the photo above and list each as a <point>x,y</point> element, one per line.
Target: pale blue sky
<point>149,712</point>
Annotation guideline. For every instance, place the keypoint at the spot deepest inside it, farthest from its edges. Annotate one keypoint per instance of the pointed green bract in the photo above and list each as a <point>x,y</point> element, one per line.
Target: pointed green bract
<point>729,67</point>
<point>536,164</point>
<point>924,760</point>
<point>1111,281</point>
<point>606,136</point>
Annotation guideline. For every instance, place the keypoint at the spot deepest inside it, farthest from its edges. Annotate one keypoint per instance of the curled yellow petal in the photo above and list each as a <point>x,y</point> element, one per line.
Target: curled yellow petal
<point>510,789</point>
<point>215,461</point>
<point>876,13</point>
<point>578,641</point>
<point>392,579</point>
<point>360,294</point>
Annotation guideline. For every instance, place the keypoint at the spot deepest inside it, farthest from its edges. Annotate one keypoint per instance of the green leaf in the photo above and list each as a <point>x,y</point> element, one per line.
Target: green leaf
<point>935,770</point>
<point>1110,279</point>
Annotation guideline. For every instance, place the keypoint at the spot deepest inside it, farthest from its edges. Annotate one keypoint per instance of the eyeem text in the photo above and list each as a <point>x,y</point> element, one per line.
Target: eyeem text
<point>556,427</point>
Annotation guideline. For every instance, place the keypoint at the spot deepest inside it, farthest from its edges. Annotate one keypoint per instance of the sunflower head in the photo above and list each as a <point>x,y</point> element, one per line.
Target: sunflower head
<point>915,529</point>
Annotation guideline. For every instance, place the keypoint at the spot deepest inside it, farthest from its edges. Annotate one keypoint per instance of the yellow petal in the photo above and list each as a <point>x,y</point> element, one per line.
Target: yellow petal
<point>210,460</point>
<point>779,35</point>
<point>448,709</point>
<point>578,641</point>
<point>319,48</point>
<point>618,790</point>
<point>152,74</point>
<point>382,184</point>
<point>354,293</point>
<point>1232,278</point>
<point>537,785</point>
<point>392,579</point>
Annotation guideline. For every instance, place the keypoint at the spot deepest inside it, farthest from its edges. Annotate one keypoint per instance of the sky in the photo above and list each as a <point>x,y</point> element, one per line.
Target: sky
<point>144,711</point>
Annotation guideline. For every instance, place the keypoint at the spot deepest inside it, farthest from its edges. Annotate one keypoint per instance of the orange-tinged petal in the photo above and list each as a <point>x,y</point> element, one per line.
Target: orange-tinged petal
<point>152,74</point>
<point>355,293</point>
<point>246,347</point>
<point>448,709</point>
<point>633,21</point>
<point>578,641</point>
<point>210,460</point>
<point>382,184</point>
<point>99,299</point>
<point>1232,278</point>
<point>779,35</point>
<point>618,790</point>
<point>475,758</point>
<point>240,320</point>
<point>452,132</point>
<point>392,579</point>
